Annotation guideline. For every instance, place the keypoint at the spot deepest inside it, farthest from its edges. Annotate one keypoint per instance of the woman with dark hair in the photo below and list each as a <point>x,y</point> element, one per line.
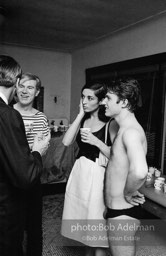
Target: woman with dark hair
<point>84,199</point>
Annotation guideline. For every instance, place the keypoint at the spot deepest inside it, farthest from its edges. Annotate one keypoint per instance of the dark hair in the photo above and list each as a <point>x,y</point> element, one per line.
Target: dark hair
<point>29,76</point>
<point>10,71</point>
<point>126,88</point>
<point>100,90</point>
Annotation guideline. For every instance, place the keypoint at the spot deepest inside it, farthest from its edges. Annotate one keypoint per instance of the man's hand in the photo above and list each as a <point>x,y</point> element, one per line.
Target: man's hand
<point>136,198</point>
<point>41,144</point>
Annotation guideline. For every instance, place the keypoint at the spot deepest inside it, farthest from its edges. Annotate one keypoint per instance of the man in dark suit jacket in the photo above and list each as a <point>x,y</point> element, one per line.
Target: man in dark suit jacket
<point>19,167</point>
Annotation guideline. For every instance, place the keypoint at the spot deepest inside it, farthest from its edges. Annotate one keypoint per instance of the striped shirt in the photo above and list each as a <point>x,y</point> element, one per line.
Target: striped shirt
<point>34,124</point>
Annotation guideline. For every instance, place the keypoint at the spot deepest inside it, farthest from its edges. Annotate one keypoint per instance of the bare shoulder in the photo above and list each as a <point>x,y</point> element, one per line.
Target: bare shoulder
<point>134,136</point>
<point>134,133</point>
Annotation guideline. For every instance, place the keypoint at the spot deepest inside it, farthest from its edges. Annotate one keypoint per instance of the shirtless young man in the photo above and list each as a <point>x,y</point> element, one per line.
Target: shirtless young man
<point>127,167</point>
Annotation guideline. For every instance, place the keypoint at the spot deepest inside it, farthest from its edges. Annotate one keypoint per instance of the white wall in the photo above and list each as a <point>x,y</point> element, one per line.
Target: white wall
<point>143,39</point>
<point>54,70</point>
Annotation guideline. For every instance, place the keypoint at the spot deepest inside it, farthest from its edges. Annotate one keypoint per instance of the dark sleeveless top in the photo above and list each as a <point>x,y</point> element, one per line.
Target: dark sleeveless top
<point>90,151</point>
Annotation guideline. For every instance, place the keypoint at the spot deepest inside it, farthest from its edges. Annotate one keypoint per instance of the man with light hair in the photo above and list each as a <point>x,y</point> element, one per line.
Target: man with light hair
<point>35,122</point>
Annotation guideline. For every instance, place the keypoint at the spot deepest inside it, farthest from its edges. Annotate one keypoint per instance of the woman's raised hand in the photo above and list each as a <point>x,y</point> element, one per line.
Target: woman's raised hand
<point>81,107</point>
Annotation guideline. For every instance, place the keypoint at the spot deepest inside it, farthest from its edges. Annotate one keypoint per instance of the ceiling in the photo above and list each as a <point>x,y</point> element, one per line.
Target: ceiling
<point>67,25</point>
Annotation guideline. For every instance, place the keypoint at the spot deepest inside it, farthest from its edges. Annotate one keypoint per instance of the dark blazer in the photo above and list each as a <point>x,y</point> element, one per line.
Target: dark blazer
<point>19,171</point>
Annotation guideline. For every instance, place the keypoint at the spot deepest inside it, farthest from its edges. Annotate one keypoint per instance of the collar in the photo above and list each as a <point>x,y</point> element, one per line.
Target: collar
<point>3,98</point>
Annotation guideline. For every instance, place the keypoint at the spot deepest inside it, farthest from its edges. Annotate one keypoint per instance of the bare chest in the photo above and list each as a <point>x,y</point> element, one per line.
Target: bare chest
<point>118,157</point>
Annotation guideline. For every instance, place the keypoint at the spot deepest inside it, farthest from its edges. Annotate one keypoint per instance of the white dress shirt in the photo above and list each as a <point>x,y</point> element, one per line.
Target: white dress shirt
<point>4,98</point>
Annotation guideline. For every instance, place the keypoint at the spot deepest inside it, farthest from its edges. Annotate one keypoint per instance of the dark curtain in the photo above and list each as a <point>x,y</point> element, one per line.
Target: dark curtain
<point>164,122</point>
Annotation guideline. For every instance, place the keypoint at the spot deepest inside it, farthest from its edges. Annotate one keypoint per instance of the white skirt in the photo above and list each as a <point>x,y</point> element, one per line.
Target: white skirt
<point>82,218</point>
